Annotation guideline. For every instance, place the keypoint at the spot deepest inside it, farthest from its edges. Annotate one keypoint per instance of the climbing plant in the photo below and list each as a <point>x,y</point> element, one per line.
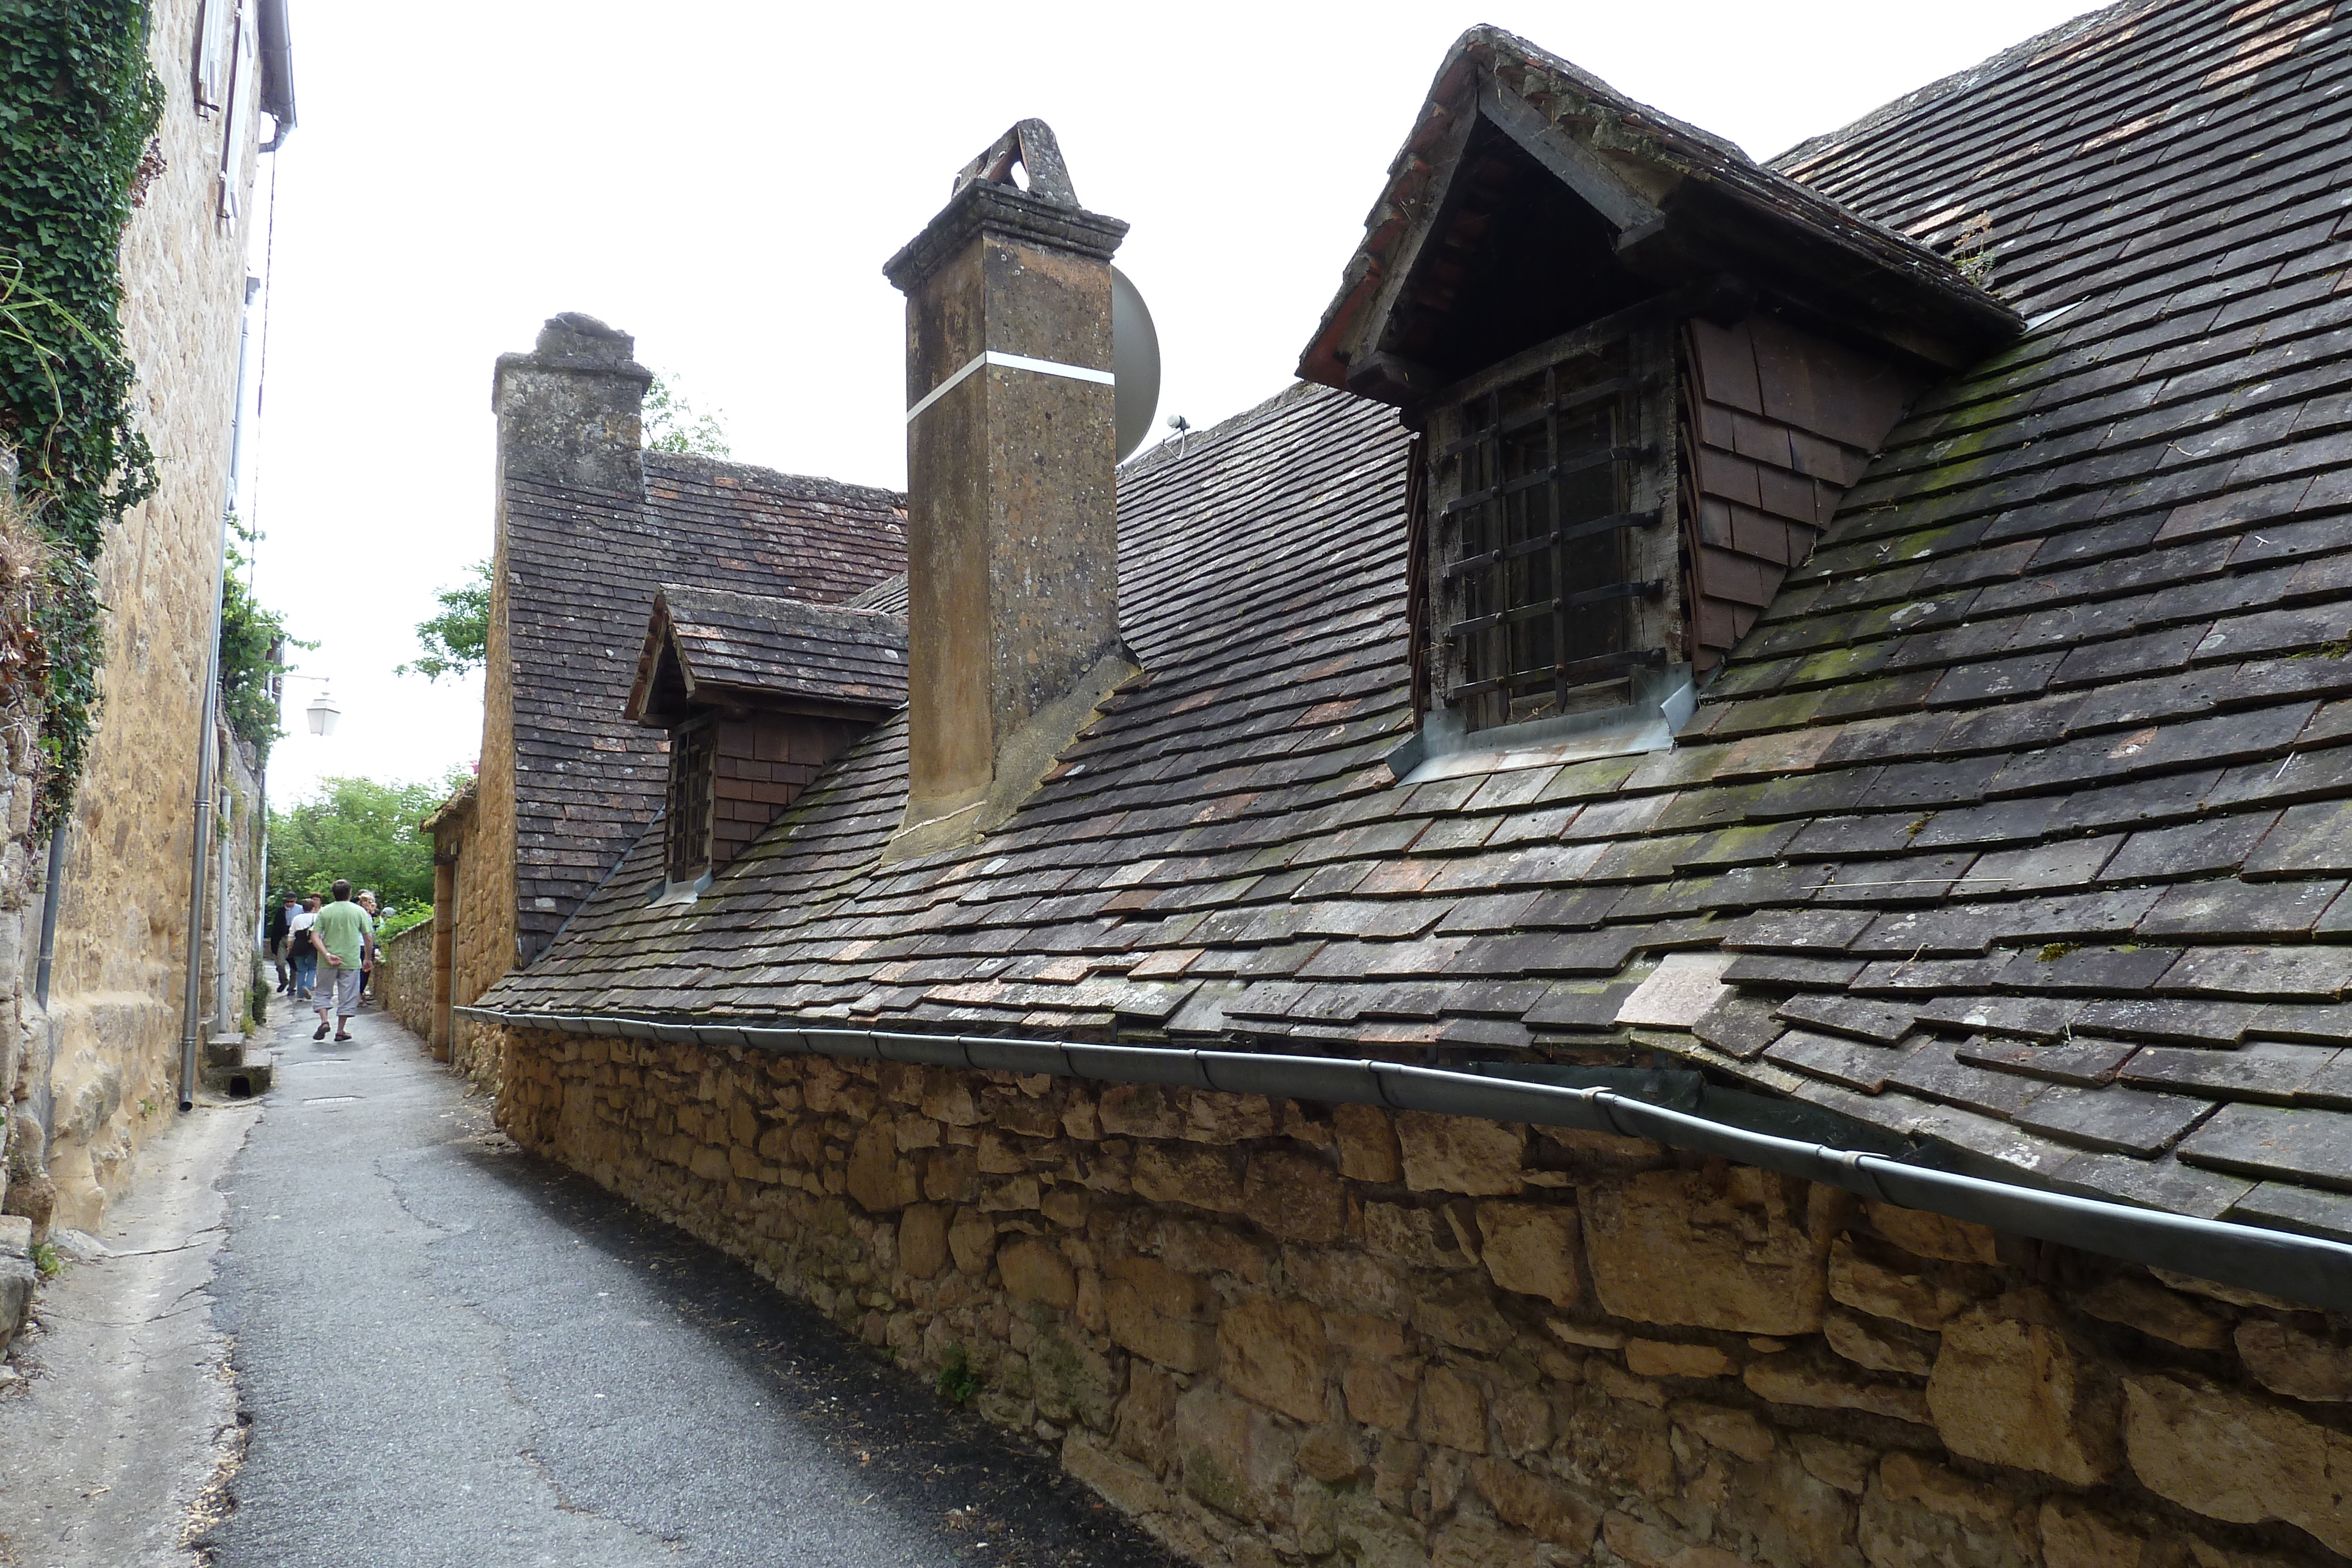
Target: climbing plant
<point>79,108</point>
<point>253,646</point>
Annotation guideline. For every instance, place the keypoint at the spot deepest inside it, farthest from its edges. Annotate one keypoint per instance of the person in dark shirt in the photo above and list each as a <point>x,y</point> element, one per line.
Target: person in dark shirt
<point>274,937</point>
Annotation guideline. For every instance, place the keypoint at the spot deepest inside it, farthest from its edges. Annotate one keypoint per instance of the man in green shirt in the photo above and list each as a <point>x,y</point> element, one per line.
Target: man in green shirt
<point>344,933</point>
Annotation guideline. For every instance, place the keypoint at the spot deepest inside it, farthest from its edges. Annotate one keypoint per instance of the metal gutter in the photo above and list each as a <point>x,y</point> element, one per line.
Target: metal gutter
<point>276,55</point>
<point>2276,1262</point>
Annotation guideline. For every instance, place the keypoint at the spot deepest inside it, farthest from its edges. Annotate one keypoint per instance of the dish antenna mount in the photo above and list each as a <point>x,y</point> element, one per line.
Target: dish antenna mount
<point>1135,360</point>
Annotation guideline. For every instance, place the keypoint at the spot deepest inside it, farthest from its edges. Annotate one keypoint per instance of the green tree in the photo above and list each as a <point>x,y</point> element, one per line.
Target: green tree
<point>457,641</point>
<point>253,642</point>
<point>671,423</point>
<point>359,829</point>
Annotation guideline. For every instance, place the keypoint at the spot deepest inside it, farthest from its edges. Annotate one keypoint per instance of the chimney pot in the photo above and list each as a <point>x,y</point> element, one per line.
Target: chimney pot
<point>1012,500</point>
<point>571,412</point>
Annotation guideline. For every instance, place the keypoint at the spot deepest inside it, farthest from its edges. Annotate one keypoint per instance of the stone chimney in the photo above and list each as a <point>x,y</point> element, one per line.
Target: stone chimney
<point>1012,503</point>
<point>570,410</point>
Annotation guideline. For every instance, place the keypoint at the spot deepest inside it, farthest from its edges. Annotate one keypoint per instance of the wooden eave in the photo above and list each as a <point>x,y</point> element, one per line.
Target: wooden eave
<point>1683,209</point>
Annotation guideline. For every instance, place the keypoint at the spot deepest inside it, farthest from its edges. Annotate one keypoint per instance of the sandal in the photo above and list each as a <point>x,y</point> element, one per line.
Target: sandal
<point>341,1037</point>
<point>321,1033</point>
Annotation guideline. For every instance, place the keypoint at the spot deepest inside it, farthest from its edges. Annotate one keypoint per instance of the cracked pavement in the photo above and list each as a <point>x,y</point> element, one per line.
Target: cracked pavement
<point>450,1353</point>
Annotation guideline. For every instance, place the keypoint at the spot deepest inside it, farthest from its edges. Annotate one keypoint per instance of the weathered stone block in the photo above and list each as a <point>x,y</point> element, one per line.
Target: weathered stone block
<point>1147,1417</point>
<point>1419,1237</point>
<point>1880,1344</point>
<point>1368,1143</point>
<point>1073,1381</point>
<point>1532,1248</point>
<point>2287,1361</point>
<point>1647,1546</point>
<point>1544,1508</point>
<point>972,1241</point>
<point>1453,1411</point>
<point>879,1179</point>
<point>1379,1394</point>
<point>1461,1154</point>
<point>1035,1271</point>
<point>1295,1197</point>
<point>1917,1297</point>
<point>2018,1393</point>
<point>1920,1515</point>
<point>1350,1282</point>
<point>1160,1314</point>
<point>1127,1487</point>
<point>1739,1250</point>
<point>1272,1352</point>
<point>2074,1535</point>
<point>2142,1304</point>
<point>1933,1235</point>
<point>1177,1173</point>
<point>1733,1432</point>
<point>1666,1358</point>
<point>2228,1457</point>
<point>1793,1378</point>
<point>1459,1312</point>
<point>1235,1458</point>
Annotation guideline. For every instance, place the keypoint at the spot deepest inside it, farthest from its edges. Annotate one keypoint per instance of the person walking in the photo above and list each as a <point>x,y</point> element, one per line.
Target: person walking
<point>344,934</point>
<point>276,935</point>
<point>302,947</point>
<point>366,900</point>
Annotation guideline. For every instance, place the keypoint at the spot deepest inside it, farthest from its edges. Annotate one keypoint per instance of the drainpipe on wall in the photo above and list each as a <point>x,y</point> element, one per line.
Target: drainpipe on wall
<point>208,750</point>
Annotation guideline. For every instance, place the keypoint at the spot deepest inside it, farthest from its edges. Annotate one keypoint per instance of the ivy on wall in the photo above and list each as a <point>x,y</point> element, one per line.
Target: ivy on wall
<point>79,109</point>
<point>253,645</point>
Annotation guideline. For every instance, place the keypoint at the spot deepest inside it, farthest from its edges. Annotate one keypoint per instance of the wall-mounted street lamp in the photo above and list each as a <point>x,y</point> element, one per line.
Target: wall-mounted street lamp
<point>323,713</point>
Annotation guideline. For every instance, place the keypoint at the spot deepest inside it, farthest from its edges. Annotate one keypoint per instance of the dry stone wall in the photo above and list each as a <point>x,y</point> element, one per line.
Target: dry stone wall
<point>1282,1333</point>
<point>403,978</point>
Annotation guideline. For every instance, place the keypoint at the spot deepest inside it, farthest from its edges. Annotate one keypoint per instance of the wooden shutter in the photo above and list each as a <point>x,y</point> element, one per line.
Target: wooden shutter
<point>215,50</point>
<point>244,79</point>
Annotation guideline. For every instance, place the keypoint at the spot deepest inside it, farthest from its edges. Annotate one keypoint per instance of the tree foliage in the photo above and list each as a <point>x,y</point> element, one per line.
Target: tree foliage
<point>359,829</point>
<point>672,424</point>
<point>457,641</point>
<point>253,641</point>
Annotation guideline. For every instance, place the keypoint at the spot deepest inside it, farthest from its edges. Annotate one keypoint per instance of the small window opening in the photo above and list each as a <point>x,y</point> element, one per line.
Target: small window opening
<point>693,764</point>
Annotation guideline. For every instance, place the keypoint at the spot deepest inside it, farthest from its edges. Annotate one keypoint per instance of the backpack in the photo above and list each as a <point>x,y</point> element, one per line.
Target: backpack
<point>303,945</point>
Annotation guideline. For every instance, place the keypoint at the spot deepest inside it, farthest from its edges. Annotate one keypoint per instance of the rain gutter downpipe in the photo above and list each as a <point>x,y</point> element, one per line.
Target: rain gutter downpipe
<point>2276,1262</point>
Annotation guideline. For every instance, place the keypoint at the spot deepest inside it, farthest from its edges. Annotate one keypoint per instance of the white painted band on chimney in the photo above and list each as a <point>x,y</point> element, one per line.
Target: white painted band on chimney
<point>1010,362</point>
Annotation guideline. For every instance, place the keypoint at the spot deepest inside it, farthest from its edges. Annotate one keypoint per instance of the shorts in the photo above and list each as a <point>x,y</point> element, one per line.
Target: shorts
<point>338,990</point>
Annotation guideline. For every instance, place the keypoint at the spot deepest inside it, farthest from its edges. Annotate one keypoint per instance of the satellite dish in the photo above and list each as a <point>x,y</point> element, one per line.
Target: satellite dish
<point>1135,360</point>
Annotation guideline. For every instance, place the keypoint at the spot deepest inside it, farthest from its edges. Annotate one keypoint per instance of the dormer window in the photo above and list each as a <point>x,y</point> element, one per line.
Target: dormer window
<point>1643,367</point>
<point>759,695</point>
<point>1553,566</point>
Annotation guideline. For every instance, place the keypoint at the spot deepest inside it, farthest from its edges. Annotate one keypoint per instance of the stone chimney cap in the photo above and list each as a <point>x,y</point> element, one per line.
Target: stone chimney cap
<point>1030,146</point>
<point>575,336</point>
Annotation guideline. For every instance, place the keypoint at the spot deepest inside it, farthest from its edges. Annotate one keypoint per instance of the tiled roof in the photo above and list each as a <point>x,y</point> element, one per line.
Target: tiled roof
<point>2020,825</point>
<point>580,573</point>
<point>729,643</point>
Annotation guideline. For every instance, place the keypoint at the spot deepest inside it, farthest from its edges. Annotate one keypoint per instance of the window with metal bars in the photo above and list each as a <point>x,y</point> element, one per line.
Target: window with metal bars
<point>1552,566</point>
<point>693,768</point>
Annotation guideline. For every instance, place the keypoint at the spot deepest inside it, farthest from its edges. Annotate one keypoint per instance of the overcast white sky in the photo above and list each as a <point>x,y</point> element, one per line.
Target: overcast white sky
<point>724,179</point>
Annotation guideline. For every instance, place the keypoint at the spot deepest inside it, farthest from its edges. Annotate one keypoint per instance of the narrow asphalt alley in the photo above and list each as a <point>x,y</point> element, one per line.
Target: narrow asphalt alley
<point>450,1353</point>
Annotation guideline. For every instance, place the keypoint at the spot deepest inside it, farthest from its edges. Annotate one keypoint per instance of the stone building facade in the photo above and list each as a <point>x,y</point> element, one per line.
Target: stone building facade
<point>101,1064</point>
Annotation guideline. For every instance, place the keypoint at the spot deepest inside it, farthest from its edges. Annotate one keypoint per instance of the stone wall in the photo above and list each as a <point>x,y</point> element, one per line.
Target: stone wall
<point>1279,1332</point>
<point>480,916</point>
<point>403,978</point>
<point>114,1014</point>
<point>25,1041</point>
